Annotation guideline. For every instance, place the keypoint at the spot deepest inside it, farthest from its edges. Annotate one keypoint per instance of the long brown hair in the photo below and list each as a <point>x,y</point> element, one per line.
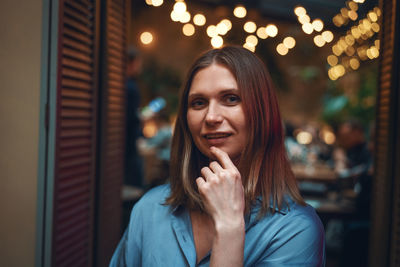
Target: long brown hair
<point>264,167</point>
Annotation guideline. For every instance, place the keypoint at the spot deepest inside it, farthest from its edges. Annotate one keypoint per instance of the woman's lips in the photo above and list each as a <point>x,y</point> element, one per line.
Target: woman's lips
<point>216,138</point>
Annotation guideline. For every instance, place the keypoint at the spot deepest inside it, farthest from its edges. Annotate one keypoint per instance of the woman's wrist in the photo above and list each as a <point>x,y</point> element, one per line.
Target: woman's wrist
<point>228,227</point>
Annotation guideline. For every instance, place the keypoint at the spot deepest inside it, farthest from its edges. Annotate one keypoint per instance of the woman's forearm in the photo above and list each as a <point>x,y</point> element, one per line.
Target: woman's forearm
<point>228,244</point>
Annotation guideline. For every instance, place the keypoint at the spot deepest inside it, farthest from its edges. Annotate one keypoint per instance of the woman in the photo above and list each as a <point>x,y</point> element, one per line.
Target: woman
<point>232,198</point>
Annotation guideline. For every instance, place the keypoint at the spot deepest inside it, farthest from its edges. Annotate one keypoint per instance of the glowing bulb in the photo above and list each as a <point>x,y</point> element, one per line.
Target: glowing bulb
<point>319,41</point>
<point>307,28</point>
<point>327,36</point>
<point>185,17</point>
<point>299,10</point>
<point>227,23</point>
<point>352,15</point>
<point>149,2</point>
<point>304,19</point>
<point>217,41</point>
<point>222,28</point>
<point>282,49</point>
<point>354,63</point>
<point>332,60</point>
<point>146,38</point>
<point>304,138</point>
<point>262,33</point>
<point>175,16</point>
<point>180,7</point>
<point>272,30</point>
<point>250,27</point>
<point>157,2</point>
<point>240,12</point>
<point>249,47</point>
<point>252,40</point>
<point>318,25</point>
<point>188,29</point>
<point>372,16</point>
<point>212,31</point>
<point>199,19</point>
<point>289,42</point>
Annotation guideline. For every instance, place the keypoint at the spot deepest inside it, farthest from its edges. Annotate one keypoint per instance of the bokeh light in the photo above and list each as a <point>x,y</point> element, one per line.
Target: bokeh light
<point>240,12</point>
<point>188,29</point>
<point>146,38</point>
<point>199,19</point>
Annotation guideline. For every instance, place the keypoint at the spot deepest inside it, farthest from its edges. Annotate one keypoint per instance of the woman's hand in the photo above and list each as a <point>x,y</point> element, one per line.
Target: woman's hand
<point>222,191</point>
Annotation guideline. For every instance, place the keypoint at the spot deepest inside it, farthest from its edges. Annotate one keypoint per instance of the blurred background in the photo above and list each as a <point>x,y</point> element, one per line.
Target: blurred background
<point>90,97</point>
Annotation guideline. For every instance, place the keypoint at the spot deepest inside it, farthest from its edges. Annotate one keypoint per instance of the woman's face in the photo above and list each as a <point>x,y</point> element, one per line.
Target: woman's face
<point>215,113</point>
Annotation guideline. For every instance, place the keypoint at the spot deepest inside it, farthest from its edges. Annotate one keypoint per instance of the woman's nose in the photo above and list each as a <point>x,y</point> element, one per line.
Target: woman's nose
<point>214,115</point>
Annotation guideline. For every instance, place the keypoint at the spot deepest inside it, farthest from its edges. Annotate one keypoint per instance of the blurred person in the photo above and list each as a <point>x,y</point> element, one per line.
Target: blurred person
<point>232,199</point>
<point>354,161</point>
<point>160,146</point>
<point>133,160</point>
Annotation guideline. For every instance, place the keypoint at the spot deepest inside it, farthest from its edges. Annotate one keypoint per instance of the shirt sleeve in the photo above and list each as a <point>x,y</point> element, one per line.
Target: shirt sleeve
<point>128,251</point>
<point>301,242</point>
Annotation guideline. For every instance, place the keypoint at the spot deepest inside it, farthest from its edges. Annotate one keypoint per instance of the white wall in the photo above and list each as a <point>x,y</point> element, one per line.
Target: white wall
<point>20,52</point>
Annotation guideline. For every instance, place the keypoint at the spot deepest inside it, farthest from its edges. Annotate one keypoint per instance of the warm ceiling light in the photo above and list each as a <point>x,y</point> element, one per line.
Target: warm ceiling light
<point>240,12</point>
<point>149,2</point>
<point>304,19</point>
<point>199,19</point>
<point>212,31</point>
<point>282,49</point>
<point>327,36</point>
<point>359,1</point>
<point>146,38</point>
<point>180,7</point>
<point>217,41</point>
<point>289,42</point>
<point>318,25</point>
<point>307,28</point>
<point>262,33</point>
<point>157,2</point>
<point>332,60</point>
<point>252,40</point>
<point>250,27</point>
<point>299,10</point>
<point>272,30</point>
<point>188,29</point>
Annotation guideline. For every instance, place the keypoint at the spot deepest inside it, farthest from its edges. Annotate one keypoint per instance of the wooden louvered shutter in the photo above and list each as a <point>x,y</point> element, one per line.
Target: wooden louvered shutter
<point>73,210</point>
<point>112,120</point>
<point>385,222</point>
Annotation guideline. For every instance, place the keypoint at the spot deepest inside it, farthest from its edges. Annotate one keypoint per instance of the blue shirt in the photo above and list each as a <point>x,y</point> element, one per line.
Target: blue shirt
<point>159,235</point>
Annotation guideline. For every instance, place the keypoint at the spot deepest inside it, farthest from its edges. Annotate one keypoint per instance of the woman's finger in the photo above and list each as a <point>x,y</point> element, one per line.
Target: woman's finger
<point>223,158</point>
<point>200,181</point>
<point>207,173</point>
<point>215,167</point>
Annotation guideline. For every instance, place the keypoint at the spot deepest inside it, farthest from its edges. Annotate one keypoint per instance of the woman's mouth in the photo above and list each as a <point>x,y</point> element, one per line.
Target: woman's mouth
<point>216,135</point>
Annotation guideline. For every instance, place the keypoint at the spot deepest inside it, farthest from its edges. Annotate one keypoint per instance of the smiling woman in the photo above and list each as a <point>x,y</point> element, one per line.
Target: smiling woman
<point>232,198</point>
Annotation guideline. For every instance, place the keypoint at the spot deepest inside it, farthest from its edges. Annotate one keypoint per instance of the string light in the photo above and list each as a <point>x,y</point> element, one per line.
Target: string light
<point>252,40</point>
<point>271,30</point>
<point>250,27</point>
<point>188,29</point>
<point>217,41</point>
<point>146,38</point>
<point>199,19</point>
<point>289,42</point>
<point>282,49</point>
<point>262,33</point>
<point>157,3</point>
<point>240,12</point>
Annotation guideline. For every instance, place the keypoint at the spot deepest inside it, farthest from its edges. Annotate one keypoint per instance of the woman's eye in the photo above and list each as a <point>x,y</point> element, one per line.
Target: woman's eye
<point>232,99</point>
<point>197,103</point>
